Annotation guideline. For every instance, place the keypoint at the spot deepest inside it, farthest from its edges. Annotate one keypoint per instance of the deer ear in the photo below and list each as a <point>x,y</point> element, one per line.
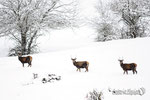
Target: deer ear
<point>19,54</point>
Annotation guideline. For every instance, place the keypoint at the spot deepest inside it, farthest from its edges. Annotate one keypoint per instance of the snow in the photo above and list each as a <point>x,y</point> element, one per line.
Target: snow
<point>58,40</point>
<point>105,73</point>
<point>56,50</point>
<point>5,45</point>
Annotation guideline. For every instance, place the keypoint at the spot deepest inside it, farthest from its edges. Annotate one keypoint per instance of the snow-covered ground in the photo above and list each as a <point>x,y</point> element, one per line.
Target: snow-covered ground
<point>56,50</point>
<point>105,73</point>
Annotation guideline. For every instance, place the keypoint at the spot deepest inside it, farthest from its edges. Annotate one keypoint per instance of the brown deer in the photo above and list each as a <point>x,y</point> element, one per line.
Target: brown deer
<point>27,59</point>
<point>80,64</point>
<point>126,67</point>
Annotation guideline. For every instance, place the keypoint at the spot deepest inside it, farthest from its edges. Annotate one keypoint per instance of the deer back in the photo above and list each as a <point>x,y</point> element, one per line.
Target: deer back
<point>129,66</point>
<point>25,59</point>
<point>81,64</point>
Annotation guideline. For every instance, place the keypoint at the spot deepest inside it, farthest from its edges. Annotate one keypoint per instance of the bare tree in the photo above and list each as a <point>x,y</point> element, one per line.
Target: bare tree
<point>23,20</point>
<point>133,14</point>
<point>103,23</point>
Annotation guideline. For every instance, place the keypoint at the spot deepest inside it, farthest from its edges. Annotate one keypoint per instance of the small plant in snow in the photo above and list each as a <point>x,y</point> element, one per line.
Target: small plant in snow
<point>51,78</point>
<point>95,95</point>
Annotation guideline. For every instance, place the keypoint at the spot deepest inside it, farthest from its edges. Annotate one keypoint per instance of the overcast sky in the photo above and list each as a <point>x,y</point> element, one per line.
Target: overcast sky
<point>87,6</point>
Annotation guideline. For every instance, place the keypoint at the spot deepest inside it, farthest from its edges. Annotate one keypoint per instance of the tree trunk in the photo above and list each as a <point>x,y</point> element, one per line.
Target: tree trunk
<point>31,41</point>
<point>23,43</point>
<point>133,35</point>
<point>133,31</point>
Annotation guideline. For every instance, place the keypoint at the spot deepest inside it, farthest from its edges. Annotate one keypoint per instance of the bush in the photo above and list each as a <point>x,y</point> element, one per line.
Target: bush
<point>95,95</point>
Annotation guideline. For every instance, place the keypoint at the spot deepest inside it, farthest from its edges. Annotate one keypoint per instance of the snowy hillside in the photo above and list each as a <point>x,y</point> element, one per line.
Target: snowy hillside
<point>105,73</point>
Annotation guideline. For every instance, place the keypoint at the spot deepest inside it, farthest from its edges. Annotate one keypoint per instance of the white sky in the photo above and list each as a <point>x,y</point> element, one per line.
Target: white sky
<point>87,6</point>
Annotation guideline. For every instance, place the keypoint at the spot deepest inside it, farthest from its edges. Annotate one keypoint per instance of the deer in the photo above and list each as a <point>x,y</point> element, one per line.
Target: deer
<point>27,59</point>
<point>127,67</point>
<point>80,64</point>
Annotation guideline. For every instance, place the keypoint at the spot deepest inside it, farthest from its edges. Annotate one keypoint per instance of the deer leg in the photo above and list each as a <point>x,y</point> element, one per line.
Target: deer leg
<point>86,70</point>
<point>126,71</point>
<point>77,69</point>
<point>30,64</point>
<point>23,64</point>
<point>133,71</point>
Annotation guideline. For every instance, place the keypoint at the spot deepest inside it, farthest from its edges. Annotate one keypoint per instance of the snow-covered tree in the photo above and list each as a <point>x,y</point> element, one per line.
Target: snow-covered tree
<point>134,14</point>
<point>103,23</point>
<point>23,20</point>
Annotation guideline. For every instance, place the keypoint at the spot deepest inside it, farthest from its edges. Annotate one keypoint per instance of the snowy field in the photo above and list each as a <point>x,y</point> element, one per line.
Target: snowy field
<point>105,73</point>
<point>56,50</point>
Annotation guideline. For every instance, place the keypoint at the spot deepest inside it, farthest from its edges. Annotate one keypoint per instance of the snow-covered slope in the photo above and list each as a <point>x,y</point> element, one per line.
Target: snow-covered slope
<point>18,83</point>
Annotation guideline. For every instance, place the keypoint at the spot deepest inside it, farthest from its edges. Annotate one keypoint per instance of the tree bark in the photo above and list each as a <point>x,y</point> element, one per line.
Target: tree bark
<point>31,41</point>
<point>23,43</point>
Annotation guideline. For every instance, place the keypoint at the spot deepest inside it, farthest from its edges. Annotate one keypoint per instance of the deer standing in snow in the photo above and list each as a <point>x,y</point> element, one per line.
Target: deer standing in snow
<point>127,67</point>
<point>27,59</point>
<point>80,64</point>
